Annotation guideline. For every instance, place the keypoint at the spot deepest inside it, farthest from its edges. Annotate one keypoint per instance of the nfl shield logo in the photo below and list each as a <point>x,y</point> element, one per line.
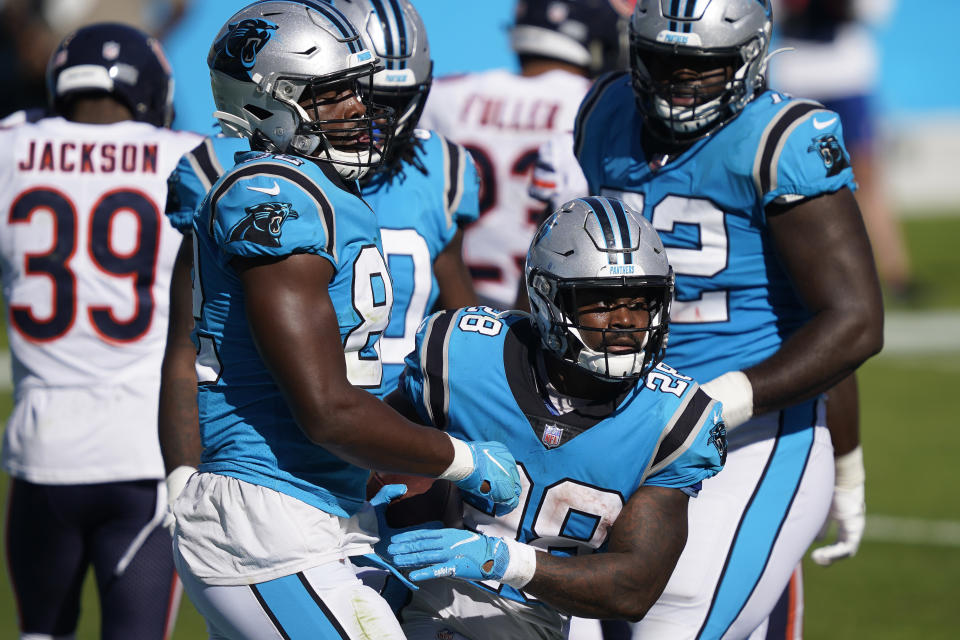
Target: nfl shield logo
<point>552,435</point>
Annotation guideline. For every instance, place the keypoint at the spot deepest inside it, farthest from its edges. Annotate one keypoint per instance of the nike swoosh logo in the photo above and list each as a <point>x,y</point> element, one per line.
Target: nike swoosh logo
<point>486,452</point>
<point>823,125</point>
<point>271,191</point>
<point>466,541</point>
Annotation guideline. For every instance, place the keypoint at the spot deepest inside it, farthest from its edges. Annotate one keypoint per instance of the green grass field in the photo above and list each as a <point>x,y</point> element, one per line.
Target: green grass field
<point>892,589</point>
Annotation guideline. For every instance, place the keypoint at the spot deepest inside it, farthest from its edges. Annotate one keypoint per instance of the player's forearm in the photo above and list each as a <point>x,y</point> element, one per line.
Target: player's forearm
<point>178,425</point>
<point>366,432</point>
<point>818,356</point>
<point>843,415</point>
<point>645,544</point>
<point>605,585</point>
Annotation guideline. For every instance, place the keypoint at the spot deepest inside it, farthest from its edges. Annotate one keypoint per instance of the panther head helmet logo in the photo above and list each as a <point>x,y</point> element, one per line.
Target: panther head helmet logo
<point>237,49</point>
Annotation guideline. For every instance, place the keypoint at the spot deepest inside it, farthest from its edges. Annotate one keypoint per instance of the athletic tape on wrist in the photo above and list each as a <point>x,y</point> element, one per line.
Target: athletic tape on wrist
<point>522,565</point>
<point>462,464</point>
<point>849,470</point>
<point>734,390</point>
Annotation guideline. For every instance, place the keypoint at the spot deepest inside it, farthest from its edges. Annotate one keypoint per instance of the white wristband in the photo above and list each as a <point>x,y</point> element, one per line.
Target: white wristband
<point>522,565</point>
<point>462,464</point>
<point>849,470</point>
<point>177,480</point>
<point>734,390</point>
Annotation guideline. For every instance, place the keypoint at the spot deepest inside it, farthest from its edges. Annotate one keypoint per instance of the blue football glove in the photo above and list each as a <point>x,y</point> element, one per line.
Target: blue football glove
<point>493,463</point>
<point>449,553</point>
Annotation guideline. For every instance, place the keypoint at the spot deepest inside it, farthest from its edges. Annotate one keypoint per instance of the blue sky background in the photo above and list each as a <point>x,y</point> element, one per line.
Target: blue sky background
<point>919,70</point>
<point>919,42</point>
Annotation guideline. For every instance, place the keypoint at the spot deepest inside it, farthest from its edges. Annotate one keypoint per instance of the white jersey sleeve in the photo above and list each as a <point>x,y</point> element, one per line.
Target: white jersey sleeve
<point>503,118</point>
<point>86,256</point>
<point>557,177</point>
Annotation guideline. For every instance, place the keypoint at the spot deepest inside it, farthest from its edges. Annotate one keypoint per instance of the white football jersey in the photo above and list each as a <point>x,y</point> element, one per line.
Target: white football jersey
<point>86,256</point>
<point>503,118</point>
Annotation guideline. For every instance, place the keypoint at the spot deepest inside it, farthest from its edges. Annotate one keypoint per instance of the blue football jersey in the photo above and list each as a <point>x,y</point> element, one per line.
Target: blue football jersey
<point>472,374</point>
<point>734,303</point>
<point>196,172</point>
<point>419,211</point>
<point>277,205</point>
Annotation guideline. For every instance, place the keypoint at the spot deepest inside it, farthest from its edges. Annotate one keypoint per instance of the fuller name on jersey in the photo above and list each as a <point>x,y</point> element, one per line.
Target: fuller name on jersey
<point>502,118</point>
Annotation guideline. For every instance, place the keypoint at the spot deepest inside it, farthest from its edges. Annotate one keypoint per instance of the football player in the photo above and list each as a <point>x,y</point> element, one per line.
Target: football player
<point>423,193</point>
<point>502,117</point>
<point>610,442</point>
<point>290,293</point>
<point>777,296</point>
<point>86,261</point>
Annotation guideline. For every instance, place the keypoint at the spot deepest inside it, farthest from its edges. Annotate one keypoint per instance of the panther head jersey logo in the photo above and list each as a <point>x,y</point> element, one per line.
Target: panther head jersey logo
<point>263,223</point>
<point>718,438</point>
<point>236,51</point>
<point>831,153</point>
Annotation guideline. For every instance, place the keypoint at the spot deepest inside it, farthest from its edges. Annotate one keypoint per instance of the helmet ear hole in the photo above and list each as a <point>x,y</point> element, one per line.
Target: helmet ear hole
<point>257,112</point>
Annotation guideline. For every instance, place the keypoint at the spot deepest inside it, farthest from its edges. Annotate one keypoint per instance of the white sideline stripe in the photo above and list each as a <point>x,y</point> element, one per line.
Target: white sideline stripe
<point>893,529</point>
<point>921,332</point>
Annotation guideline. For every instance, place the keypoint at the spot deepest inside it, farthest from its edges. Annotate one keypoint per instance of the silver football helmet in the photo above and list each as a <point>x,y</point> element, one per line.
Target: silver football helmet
<point>711,34</point>
<point>395,32</point>
<point>273,56</point>
<point>592,246</point>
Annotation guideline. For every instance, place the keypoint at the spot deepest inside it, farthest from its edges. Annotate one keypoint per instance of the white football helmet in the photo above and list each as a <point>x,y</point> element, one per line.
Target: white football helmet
<point>592,244</point>
<point>273,54</point>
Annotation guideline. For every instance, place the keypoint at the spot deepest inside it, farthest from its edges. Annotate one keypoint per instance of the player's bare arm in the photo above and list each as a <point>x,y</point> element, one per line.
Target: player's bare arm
<point>178,421</point>
<point>645,544</point>
<point>843,415</point>
<point>823,244</point>
<point>294,325</point>
<point>453,277</point>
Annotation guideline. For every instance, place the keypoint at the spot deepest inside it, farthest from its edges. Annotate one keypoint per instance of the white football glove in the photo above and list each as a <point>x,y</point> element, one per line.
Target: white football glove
<point>848,510</point>
<point>175,482</point>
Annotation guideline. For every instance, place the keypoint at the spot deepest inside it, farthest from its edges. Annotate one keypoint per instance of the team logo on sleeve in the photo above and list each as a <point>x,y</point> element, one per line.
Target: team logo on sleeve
<point>263,223</point>
<point>834,159</point>
<point>718,438</point>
